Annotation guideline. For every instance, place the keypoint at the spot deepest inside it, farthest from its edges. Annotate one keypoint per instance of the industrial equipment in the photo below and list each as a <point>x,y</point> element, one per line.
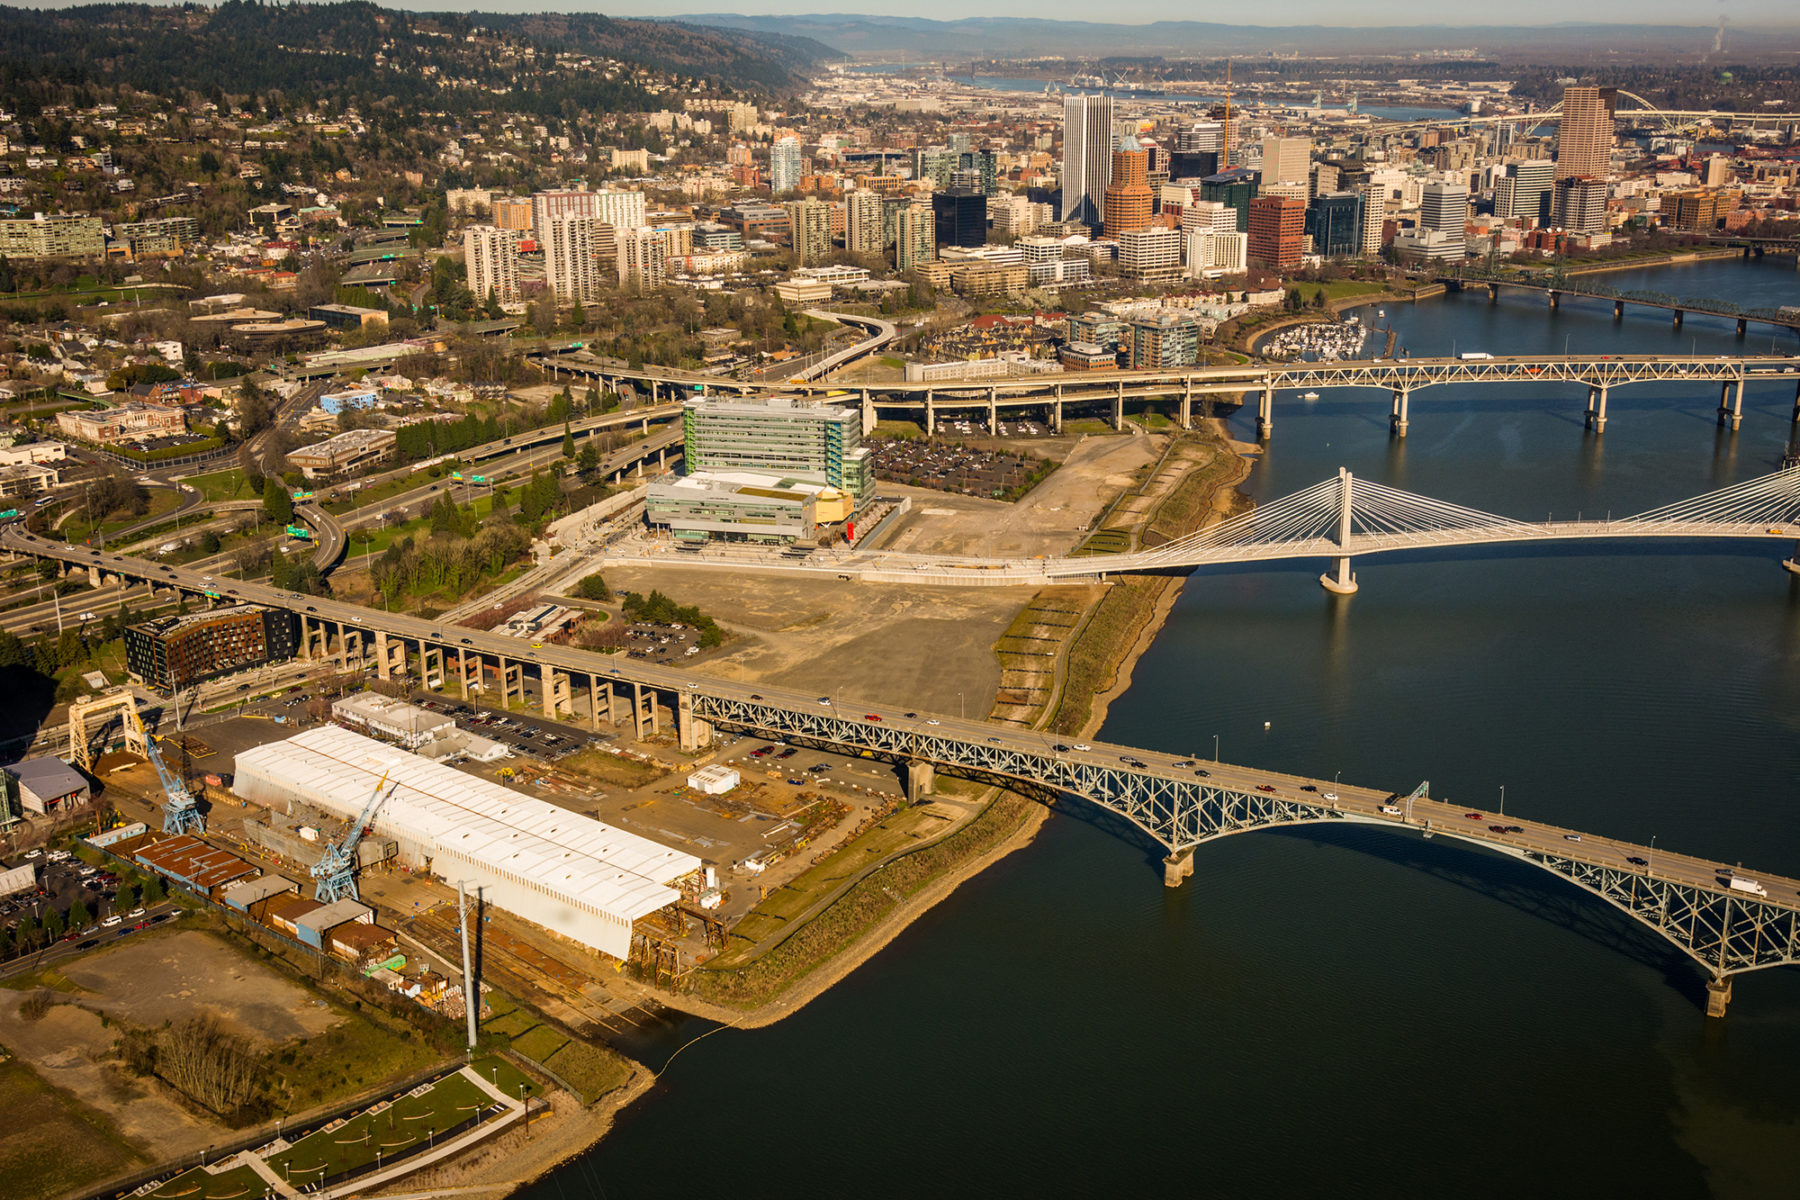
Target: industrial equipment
<point>335,872</point>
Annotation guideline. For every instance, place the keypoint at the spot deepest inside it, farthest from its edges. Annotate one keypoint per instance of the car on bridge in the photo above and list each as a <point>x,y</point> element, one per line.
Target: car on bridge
<point>1265,787</point>
<point>1635,861</point>
<point>1473,816</point>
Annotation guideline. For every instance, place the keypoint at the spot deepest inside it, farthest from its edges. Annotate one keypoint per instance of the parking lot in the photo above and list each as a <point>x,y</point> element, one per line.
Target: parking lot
<point>997,474</point>
<point>533,737</point>
<point>64,881</point>
<point>656,642</point>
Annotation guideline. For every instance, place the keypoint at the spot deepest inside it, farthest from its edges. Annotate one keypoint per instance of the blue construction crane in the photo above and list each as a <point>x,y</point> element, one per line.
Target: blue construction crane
<point>335,873</point>
<point>180,813</point>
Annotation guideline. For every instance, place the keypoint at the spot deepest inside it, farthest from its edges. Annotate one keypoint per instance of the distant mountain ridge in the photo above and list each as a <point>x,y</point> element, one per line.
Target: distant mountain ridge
<point>916,38</point>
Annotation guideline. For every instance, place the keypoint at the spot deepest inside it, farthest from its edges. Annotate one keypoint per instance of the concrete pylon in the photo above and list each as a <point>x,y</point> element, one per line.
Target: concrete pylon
<point>1265,411</point>
<point>1596,409</point>
<point>1397,419</point>
<point>920,777</point>
<point>692,734</point>
<point>1179,865</point>
<point>1718,996</point>
<point>1340,580</point>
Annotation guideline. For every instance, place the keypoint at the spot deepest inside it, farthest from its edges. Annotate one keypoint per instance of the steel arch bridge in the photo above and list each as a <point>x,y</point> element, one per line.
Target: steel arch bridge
<point>1725,931</point>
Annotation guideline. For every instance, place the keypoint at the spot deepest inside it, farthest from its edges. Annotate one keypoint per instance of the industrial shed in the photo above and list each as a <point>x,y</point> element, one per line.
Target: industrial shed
<point>571,874</point>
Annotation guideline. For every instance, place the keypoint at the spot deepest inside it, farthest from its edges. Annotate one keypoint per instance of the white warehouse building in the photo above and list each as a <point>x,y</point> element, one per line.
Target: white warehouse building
<point>571,874</point>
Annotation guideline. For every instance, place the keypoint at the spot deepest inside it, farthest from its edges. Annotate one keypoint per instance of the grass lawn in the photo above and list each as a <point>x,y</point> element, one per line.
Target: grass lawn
<point>161,501</point>
<point>49,1143</point>
<point>387,489</point>
<point>395,1130</point>
<point>1151,420</point>
<point>1105,541</point>
<point>899,429</point>
<point>539,1043</point>
<point>226,1185</point>
<point>223,485</point>
<point>508,1078</point>
<point>787,903</point>
<point>1077,426</point>
<point>510,1024</point>
<point>591,1070</point>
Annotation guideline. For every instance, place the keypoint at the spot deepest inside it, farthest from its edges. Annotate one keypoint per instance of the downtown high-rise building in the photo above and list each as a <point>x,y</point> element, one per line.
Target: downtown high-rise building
<point>784,165</point>
<point>1286,160</point>
<point>1444,209</point>
<point>809,229</point>
<point>642,255</point>
<point>1087,157</point>
<point>1128,196</point>
<point>915,236</point>
<point>492,258</point>
<point>1524,190</point>
<point>1277,231</point>
<point>863,222</point>
<point>1585,133</point>
<point>1580,205</point>
<point>572,251</point>
<point>616,207</point>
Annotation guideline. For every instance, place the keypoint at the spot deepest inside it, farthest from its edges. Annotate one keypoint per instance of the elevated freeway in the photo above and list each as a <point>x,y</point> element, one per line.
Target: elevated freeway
<point>1729,921</point>
<point>1110,391</point>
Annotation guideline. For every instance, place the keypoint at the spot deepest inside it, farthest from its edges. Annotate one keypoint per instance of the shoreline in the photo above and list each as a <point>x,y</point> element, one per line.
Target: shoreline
<point>1226,496</point>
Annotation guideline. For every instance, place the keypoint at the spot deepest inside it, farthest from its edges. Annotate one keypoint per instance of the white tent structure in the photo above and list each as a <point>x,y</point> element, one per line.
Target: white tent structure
<point>566,872</point>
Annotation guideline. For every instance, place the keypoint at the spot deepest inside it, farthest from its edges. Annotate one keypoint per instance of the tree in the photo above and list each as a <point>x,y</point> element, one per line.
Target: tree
<point>209,543</point>
<point>568,446</point>
<point>79,915</point>
<point>278,504</point>
<point>588,461</point>
<point>577,316</point>
<point>593,587</point>
<point>153,890</point>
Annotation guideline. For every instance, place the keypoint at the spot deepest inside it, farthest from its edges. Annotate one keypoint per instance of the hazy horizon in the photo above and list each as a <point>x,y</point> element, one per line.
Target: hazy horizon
<point>1301,14</point>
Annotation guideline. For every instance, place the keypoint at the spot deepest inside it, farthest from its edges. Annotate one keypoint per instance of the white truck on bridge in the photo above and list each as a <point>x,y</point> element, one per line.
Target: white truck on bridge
<point>1739,884</point>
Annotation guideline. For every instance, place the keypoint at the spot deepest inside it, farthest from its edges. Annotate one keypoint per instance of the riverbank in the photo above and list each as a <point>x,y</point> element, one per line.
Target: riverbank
<point>1193,483</point>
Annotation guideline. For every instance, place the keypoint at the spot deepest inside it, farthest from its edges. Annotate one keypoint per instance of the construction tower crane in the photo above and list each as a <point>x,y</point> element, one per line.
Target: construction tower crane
<point>180,813</point>
<point>335,873</point>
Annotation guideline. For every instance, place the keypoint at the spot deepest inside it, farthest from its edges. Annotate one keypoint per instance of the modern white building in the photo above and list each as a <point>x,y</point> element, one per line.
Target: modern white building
<point>713,780</point>
<point>577,877</point>
<point>784,165</point>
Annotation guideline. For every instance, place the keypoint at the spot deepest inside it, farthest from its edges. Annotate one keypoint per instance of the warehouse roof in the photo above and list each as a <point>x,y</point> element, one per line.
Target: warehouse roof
<point>586,860</point>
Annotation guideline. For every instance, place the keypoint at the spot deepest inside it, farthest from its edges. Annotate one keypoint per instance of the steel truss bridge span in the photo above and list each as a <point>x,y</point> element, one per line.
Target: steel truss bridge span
<point>1178,803</point>
<point>1049,394</point>
<point>1686,901</point>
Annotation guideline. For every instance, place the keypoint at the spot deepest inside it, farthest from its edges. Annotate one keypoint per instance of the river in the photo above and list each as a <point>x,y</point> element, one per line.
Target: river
<point>1353,1012</point>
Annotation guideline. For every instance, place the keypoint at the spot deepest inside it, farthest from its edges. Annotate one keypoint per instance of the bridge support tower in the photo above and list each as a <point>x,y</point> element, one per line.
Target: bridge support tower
<point>1742,326</point>
<point>1397,418</point>
<point>1493,293</point>
<point>1792,561</point>
<point>1618,310</point>
<point>1718,995</point>
<point>1118,406</point>
<point>1731,405</point>
<point>993,412</point>
<point>1265,411</point>
<point>921,776</point>
<point>691,733</point>
<point>1179,865</point>
<point>868,413</point>
<point>1596,409</point>
<point>1340,580</point>
<point>1555,299</point>
<point>1676,321</point>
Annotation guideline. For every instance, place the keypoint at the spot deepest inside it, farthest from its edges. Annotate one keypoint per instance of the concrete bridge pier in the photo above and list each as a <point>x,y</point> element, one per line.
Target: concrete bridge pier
<point>1731,405</point>
<point>1555,300</point>
<point>1677,318</point>
<point>691,733</point>
<point>1178,866</point>
<point>931,416</point>
<point>1493,293</point>
<point>468,671</point>
<point>993,412</point>
<point>1187,403</point>
<point>1718,995</point>
<point>920,777</point>
<point>557,694</point>
<point>1596,409</point>
<point>594,701</point>
<point>1265,412</point>
<point>1056,410</point>
<point>431,665</point>
<point>868,413</point>
<point>1118,407</point>
<point>1792,561</point>
<point>1340,580</point>
<point>1742,326</point>
<point>1618,310</point>
<point>1397,418</point>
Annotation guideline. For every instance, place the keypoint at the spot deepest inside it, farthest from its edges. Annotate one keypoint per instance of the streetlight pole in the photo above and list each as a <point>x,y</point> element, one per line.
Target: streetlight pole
<point>1215,749</point>
<point>1651,868</point>
<point>1503,799</point>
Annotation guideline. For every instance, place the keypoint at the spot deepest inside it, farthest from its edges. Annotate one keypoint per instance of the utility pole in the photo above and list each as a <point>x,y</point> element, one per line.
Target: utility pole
<point>471,1000</point>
